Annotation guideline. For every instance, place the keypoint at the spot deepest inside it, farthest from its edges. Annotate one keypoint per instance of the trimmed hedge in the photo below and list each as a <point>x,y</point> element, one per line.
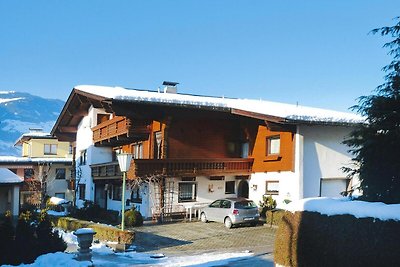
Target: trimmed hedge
<point>274,217</point>
<point>103,232</point>
<point>311,239</point>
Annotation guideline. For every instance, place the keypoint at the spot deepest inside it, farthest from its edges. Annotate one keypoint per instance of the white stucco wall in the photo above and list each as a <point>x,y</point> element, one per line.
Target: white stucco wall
<point>324,155</point>
<point>84,141</point>
<point>288,186</point>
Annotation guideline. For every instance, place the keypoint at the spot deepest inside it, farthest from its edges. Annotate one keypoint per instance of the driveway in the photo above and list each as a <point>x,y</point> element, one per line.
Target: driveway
<point>196,238</point>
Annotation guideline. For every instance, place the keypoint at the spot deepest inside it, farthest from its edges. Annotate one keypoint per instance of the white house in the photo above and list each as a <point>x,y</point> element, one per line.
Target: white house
<point>189,149</point>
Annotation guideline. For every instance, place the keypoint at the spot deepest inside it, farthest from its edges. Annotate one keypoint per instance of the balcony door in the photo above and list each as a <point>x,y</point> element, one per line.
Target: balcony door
<point>101,195</point>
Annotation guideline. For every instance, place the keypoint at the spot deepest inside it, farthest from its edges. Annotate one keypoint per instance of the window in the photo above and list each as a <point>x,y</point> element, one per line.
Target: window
<point>215,204</point>
<point>29,173</point>
<point>226,204</point>
<point>116,192</point>
<point>83,157</point>
<point>230,187</point>
<point>158,145</point>
<point>60,195</point>
<point>273,145</point>
<point>136,197</point>
<point>60,173</point>
<point>138,151</point>
<point>82,189</point>
<point>187,191</point>
<point>50,149</point>
<point>272,188</point>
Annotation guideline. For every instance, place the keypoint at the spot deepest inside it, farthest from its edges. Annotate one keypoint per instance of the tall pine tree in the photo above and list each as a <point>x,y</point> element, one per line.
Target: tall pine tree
<point>376,144</point>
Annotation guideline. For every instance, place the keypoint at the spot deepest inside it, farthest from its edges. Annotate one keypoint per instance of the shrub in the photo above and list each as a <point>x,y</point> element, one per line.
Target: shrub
<point>103,232</point>
<point>268,203</point>
<point>312,239</point>
<point>133,217</point>
<point>48,240</point>
<point>7,238</point>
<point>93,212</point>
<point>33,237</point>
<point>274,217</point>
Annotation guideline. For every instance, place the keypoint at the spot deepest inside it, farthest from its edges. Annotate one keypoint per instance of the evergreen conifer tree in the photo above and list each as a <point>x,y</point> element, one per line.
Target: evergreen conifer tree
<point>376,144</point>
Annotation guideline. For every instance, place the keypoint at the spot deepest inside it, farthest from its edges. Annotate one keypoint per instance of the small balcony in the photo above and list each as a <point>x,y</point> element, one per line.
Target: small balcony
<point>174,167</point>
<point>119,131</point>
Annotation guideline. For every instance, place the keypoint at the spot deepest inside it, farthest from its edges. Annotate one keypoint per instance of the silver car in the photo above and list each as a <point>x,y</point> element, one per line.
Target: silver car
<point>231,211</point>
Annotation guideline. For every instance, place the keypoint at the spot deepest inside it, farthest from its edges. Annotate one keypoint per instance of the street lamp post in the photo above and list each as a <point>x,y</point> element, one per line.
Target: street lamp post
<point>124,161</point>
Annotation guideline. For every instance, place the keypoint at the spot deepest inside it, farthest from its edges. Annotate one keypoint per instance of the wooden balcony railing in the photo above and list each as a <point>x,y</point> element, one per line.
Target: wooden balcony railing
<point>119,129</point>
<point>178,167</point>
<point>106,171</point>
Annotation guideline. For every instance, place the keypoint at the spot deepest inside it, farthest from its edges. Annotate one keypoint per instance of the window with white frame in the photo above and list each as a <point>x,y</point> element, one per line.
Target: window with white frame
<point>272,188</point>
<point>273,145</point>
<point>83,157</point>
<point>187,191</point>
<point>50,149</point>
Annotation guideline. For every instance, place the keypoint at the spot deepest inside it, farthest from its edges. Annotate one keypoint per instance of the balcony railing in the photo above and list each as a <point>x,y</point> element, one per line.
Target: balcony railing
<point>106,171</point>
<point>119,129</point>
<point>178,167</point>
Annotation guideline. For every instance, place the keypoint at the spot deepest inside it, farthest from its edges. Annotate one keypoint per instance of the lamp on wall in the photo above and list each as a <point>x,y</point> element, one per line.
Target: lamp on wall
<point>124,161</point>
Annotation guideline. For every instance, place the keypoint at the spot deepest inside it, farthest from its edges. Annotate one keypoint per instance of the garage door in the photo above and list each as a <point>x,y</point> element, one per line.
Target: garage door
<point>333,187</point>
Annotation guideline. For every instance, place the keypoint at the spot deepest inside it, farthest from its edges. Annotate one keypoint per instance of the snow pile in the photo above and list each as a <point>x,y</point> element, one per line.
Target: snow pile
<point>83,231</point>
<point>268,108</point>
<point>57,201</point>
<point>340,206</point>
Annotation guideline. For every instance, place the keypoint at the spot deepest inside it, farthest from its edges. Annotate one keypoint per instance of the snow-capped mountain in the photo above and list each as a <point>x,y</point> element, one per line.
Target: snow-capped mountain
<point>21,111</point>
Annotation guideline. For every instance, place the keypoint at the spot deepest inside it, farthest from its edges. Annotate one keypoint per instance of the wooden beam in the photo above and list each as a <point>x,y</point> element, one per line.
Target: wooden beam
<point>67,129</point>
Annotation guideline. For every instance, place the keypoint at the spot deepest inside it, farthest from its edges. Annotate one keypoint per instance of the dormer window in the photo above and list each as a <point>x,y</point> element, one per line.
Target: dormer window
<point>50,149</point>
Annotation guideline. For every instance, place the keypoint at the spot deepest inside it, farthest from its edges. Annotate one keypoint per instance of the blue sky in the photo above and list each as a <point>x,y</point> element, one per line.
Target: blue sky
<point>315,53</point>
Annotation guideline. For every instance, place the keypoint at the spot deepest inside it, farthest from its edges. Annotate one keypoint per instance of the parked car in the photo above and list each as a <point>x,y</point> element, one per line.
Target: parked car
<point>231,211</point>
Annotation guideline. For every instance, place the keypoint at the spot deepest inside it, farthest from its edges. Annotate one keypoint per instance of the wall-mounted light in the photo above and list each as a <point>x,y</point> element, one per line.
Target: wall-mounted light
<point>254,186</point>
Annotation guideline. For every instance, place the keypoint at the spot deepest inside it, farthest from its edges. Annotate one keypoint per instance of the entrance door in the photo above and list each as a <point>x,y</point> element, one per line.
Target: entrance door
<point>243,189</point>
<point>100,195</point>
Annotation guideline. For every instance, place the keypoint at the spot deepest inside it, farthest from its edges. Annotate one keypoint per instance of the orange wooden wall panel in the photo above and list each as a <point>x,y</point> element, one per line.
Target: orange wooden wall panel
<point>199,138</point>
<point>285,161</point>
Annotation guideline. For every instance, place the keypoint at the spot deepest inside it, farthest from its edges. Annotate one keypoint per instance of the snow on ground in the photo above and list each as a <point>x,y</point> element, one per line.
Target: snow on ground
<point>339,206</point>
<point>104,256</point>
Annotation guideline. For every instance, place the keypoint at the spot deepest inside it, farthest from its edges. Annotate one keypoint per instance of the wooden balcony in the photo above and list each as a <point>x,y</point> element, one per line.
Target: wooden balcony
<point>106,171</point>
<point>119,131</point>
<point>174,167</point>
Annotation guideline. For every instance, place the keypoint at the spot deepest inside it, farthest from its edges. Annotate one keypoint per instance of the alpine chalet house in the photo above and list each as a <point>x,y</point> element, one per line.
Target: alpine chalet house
<point>189,150</point>
<point>44,167</point>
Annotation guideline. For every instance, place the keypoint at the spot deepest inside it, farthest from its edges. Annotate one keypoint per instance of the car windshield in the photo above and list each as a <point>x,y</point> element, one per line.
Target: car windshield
<point>245,204</point>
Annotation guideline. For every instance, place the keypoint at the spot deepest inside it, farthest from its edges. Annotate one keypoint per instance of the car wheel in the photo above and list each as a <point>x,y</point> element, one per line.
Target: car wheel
<point>228,222</point>
<point>203,217</point>
<point>254,224</point>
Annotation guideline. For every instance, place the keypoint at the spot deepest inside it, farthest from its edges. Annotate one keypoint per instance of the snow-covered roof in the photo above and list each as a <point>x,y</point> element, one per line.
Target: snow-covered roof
<point>33,134</point>
<point>8,177</point>
<point>288,112</point>
<point>13,159</point>
<point>339,206</point>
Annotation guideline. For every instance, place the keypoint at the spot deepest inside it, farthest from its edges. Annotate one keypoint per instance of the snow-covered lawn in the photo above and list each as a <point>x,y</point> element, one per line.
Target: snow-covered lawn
<point>104,256</point>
